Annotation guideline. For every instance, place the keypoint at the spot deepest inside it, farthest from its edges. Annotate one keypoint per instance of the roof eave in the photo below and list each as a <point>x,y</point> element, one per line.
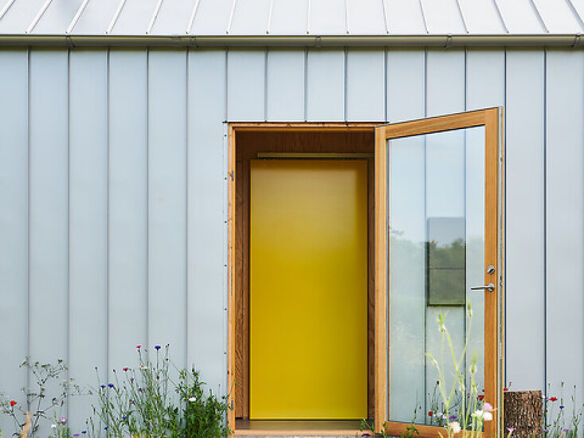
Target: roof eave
<point>445,41</point>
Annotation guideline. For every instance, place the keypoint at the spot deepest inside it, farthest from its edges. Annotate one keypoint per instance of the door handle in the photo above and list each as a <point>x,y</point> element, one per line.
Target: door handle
<point>490,287</point>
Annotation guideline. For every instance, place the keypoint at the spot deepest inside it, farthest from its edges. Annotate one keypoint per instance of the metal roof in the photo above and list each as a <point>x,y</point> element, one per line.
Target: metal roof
<point>220,18</point>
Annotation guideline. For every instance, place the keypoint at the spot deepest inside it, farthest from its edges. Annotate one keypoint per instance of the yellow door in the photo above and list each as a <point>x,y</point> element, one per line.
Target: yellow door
<point>308,289</point>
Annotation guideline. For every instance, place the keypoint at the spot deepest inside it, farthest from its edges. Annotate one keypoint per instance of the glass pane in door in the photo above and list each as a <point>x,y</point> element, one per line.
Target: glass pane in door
<point>436,188</point>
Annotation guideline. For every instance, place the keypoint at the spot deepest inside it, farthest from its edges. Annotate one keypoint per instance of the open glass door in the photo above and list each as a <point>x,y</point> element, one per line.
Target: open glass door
<point>439,255</point>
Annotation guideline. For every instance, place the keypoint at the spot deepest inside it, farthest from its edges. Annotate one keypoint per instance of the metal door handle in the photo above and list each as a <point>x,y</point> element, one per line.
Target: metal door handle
<point>490,287</point>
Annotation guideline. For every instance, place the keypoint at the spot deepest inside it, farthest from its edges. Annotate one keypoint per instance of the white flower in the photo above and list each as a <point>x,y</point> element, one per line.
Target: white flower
<point>53,426</point>
<point>454,427</point>
<point>192,399</point>
<point>487,416</point>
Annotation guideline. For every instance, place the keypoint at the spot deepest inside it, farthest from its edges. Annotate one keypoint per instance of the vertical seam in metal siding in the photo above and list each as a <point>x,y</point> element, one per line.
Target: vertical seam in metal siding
<point>345,82</point>
<point>68,291</point>
<point>306,84</point>
<point>28,220</point>
<point>187,58</point>
<point>505,222</point>
<point>425,94</point>
<point>385,96</point>
<point>266,84</point>
<point>147,337</point>
<point>227,83</point>
<point>108,249</point>
<point>545,225</point>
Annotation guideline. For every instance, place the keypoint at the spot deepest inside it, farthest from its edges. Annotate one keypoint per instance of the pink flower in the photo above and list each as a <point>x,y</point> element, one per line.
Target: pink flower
<point>487,407</point>
<point>139,346</point>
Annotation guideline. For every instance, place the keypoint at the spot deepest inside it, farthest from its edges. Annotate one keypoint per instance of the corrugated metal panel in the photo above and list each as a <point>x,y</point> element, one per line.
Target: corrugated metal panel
<point>564,217</point>
<point>521,17</point>
<point>96,18</point>
<point>290,17</point>
<point>57,16</point>
<point>365,17</point>
<point>212,17</point>
<point>128,207</point>
<point>285,85</point>
<point>365,85</point>
<point>13,223</point>
<point>173,17</point>
<point>525,204</point>
<point>325,85</point>
<point>49,208</point>
<point>88,166</point>
<point>481,17</point>
<point>250,17</point>
<point>443,17</point>
<point>207,257</point>
<point>327,17</point>
<point>134,18</point>
<point>167,185</point>
<point>405,17</point>
<point>558,16</point>
<point>246,83</point>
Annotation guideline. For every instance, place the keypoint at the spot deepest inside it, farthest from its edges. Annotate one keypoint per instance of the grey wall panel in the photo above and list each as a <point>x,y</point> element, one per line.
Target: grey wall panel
<point>13,223</point>
<point>285,85</point>
<point>445,74</point>
<point>365,85</point>
<point>48,205</point>
<point>406,85</point>
<point>325,85</point>
<point>525,220</point>
<point>128,203</point>
<point>207,318</point>
<point>564,219</point>
<point>48,233</point>
<point>485,79</point>
<point>87,222</point>
<point>167,202</point>
<point>246,85</point>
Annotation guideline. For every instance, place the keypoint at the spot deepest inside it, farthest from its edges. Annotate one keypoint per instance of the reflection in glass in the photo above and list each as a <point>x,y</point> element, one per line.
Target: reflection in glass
<point>436,253</point>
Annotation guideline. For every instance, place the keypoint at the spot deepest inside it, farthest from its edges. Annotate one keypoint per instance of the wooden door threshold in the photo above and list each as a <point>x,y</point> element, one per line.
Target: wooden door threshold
<point>297,428</point>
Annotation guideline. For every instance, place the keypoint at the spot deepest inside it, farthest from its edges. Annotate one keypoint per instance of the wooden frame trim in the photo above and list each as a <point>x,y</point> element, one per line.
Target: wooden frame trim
<point>232,130</point>
<point>494,173</point>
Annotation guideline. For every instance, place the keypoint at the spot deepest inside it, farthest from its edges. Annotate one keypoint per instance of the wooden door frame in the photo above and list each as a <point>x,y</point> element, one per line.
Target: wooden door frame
<point>492,120</point>
<point>494,189</point>
<point>232,130</point>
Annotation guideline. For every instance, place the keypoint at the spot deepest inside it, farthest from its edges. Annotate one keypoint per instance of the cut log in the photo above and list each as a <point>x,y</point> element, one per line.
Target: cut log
<point>523,412</point>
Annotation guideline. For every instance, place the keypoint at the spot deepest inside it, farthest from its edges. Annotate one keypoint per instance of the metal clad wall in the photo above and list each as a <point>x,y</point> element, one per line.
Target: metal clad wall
<point>122,155</point>
<point>13,221</point>
<point>564,218</point>
<point>87,219</point>
<point>525,204</point>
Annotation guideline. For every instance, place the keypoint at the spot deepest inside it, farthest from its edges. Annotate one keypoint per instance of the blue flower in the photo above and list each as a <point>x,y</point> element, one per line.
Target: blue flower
<point>111,385</point>
<point>452,417</point>
<point>157,347</point>
<point>83,431</point>
<point>105,428</point>
<point>124,417</point>
<point>102,386</point>
<point>562,406</point>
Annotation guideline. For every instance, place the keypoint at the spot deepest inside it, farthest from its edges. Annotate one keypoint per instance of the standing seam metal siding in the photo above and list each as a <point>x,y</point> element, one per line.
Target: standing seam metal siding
<point>113,191</point>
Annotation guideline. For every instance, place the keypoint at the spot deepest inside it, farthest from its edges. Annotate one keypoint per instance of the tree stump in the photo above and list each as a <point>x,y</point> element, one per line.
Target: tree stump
<point>523,412</point>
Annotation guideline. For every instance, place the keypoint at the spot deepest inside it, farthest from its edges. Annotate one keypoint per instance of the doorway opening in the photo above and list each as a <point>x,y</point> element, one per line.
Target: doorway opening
<point>276,155</point>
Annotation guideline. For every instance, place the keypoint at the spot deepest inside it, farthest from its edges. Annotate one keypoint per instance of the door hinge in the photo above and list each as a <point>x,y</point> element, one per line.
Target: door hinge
<point>231,175</point>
